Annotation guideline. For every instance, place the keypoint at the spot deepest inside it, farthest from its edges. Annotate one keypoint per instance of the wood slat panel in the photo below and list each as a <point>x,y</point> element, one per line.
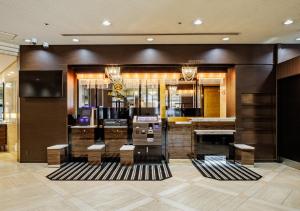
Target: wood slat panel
<point>179,140</point>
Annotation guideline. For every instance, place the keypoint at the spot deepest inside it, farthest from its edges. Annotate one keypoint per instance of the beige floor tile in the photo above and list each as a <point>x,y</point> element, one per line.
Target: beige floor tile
<point>25,187</point>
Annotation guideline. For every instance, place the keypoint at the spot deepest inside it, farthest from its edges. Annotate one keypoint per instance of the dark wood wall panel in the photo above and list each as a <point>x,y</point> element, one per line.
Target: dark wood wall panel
<point>287,52</point>
<point>289,68</point>
<point>36,57</point>
<point>42,123</point>
<point>256,119</point>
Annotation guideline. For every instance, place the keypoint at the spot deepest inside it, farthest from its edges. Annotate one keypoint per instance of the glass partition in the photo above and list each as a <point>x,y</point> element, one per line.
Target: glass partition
<point>156,93</point>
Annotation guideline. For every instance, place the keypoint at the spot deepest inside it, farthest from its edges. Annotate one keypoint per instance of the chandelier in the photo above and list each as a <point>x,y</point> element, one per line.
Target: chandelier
<point>188,72</point>
<point>113,72</point>
<point>172,89</point>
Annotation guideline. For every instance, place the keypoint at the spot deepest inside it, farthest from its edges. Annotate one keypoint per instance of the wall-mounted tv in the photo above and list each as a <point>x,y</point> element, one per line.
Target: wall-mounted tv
<point>41,83</point>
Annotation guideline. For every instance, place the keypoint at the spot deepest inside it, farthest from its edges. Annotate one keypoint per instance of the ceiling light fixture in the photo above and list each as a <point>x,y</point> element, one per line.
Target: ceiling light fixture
<point>106,23</point>
<point>75,40</point>
<point>298,38</point>
<point>45,45</point>
<point>197,22</point>
<point>150,39</point>
<point>113,72</point>
<point>34,41</point>
<point>189,72</point>
<point>288,22</point>
<point>27,40</point>
<point>225,38</point>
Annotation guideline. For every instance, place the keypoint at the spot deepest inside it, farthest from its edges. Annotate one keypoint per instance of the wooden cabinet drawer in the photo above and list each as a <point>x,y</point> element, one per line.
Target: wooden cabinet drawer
<point>83,133</point>
<point>115,133</point>
<point>114,145</point>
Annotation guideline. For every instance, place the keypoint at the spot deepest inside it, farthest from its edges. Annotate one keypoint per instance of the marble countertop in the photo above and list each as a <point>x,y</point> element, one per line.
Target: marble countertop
<point>110,126</point>
<point>83,126</point>
<point>213,119</point>
<point>127,147</point>
<point>58,146</point>
<point>214,132</point>
<point>96,147</point>
<point>244,146</point>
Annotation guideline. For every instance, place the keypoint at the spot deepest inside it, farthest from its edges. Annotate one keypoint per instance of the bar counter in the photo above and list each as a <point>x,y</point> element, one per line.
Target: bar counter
<point>181,141</point>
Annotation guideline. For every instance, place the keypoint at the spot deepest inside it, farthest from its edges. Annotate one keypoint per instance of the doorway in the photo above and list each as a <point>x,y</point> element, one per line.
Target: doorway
<point>211,101</point>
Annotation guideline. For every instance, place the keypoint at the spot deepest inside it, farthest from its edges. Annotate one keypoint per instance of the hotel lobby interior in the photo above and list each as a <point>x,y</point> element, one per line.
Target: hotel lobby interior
<point>149,105</point>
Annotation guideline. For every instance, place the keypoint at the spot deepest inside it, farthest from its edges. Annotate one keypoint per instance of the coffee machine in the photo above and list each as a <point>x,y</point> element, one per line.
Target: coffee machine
<point>147,137</point>
<point>146,130</point>
<point>87,116</point>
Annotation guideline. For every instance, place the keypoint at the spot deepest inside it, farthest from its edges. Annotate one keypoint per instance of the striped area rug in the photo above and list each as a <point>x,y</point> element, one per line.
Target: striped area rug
<point>224,170</point>
<point>83,171</point>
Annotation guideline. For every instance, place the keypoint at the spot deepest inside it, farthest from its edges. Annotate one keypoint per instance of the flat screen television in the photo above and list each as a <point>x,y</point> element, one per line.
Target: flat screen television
<point>41,83</point>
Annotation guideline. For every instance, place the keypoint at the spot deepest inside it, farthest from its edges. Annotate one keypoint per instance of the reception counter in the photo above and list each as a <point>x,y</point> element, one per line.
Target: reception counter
<point>181,140</point>
<point>81,138</point>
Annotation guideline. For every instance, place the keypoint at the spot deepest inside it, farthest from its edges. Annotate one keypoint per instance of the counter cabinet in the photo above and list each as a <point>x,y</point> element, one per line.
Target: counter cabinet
<point>179,140</point>
<point>81,139</point>
<point>114,139</point>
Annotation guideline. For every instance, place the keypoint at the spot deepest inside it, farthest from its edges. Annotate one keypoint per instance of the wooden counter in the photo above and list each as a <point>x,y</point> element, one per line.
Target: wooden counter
<point>179,140</point>
<point>114,138</point>
<point>81,138</point>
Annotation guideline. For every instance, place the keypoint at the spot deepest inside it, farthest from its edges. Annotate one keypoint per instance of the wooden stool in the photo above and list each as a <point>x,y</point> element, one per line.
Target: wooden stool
<point>244,154</point>
<point>57,154</point>
<point>95,153</point>
<point>127,154</point>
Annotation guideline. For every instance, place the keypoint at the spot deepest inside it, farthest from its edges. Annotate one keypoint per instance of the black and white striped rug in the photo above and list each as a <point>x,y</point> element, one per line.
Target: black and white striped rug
<point>225,170</point>
<point>76,171</point>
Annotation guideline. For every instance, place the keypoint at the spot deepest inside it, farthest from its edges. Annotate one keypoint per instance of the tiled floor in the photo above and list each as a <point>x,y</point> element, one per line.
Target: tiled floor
<point>25,187</point>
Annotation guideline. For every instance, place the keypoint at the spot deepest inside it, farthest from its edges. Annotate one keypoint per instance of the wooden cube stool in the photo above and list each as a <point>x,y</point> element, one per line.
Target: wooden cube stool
<point>127,155</point>
<point>95,153</point>
<point>244,154</point>
<point>57,154</point>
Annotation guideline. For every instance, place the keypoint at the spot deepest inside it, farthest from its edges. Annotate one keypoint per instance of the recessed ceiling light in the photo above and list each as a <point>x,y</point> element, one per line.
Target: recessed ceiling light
<point>225,38</point>
<point>106,23</point>
<point>75,40</point>
<point>298,38</point>
<point>288,22</point>
<point>197,22</point>
<point>27,40</point>
<point>45,45</point>
<point>11,72</point>
<point>150,39</point>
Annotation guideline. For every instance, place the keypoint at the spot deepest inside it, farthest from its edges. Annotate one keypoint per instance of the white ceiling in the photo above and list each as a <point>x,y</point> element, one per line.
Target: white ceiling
<point>257,21</point>
<point>6,61</point>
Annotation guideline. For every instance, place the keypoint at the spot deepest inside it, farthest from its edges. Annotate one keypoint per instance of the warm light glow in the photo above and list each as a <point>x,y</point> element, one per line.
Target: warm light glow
<point>150,39</point>
<point>288,22</point>
<point>173,89</point>
<point>113,72</point>
<point>188,73</point>
<point>90,76</point>
<point>211,75</point>
<point>157,76</point>
<point>225,38</point>
<point>197,22</point>
<point>106,23</point>
<point>75,40</point>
